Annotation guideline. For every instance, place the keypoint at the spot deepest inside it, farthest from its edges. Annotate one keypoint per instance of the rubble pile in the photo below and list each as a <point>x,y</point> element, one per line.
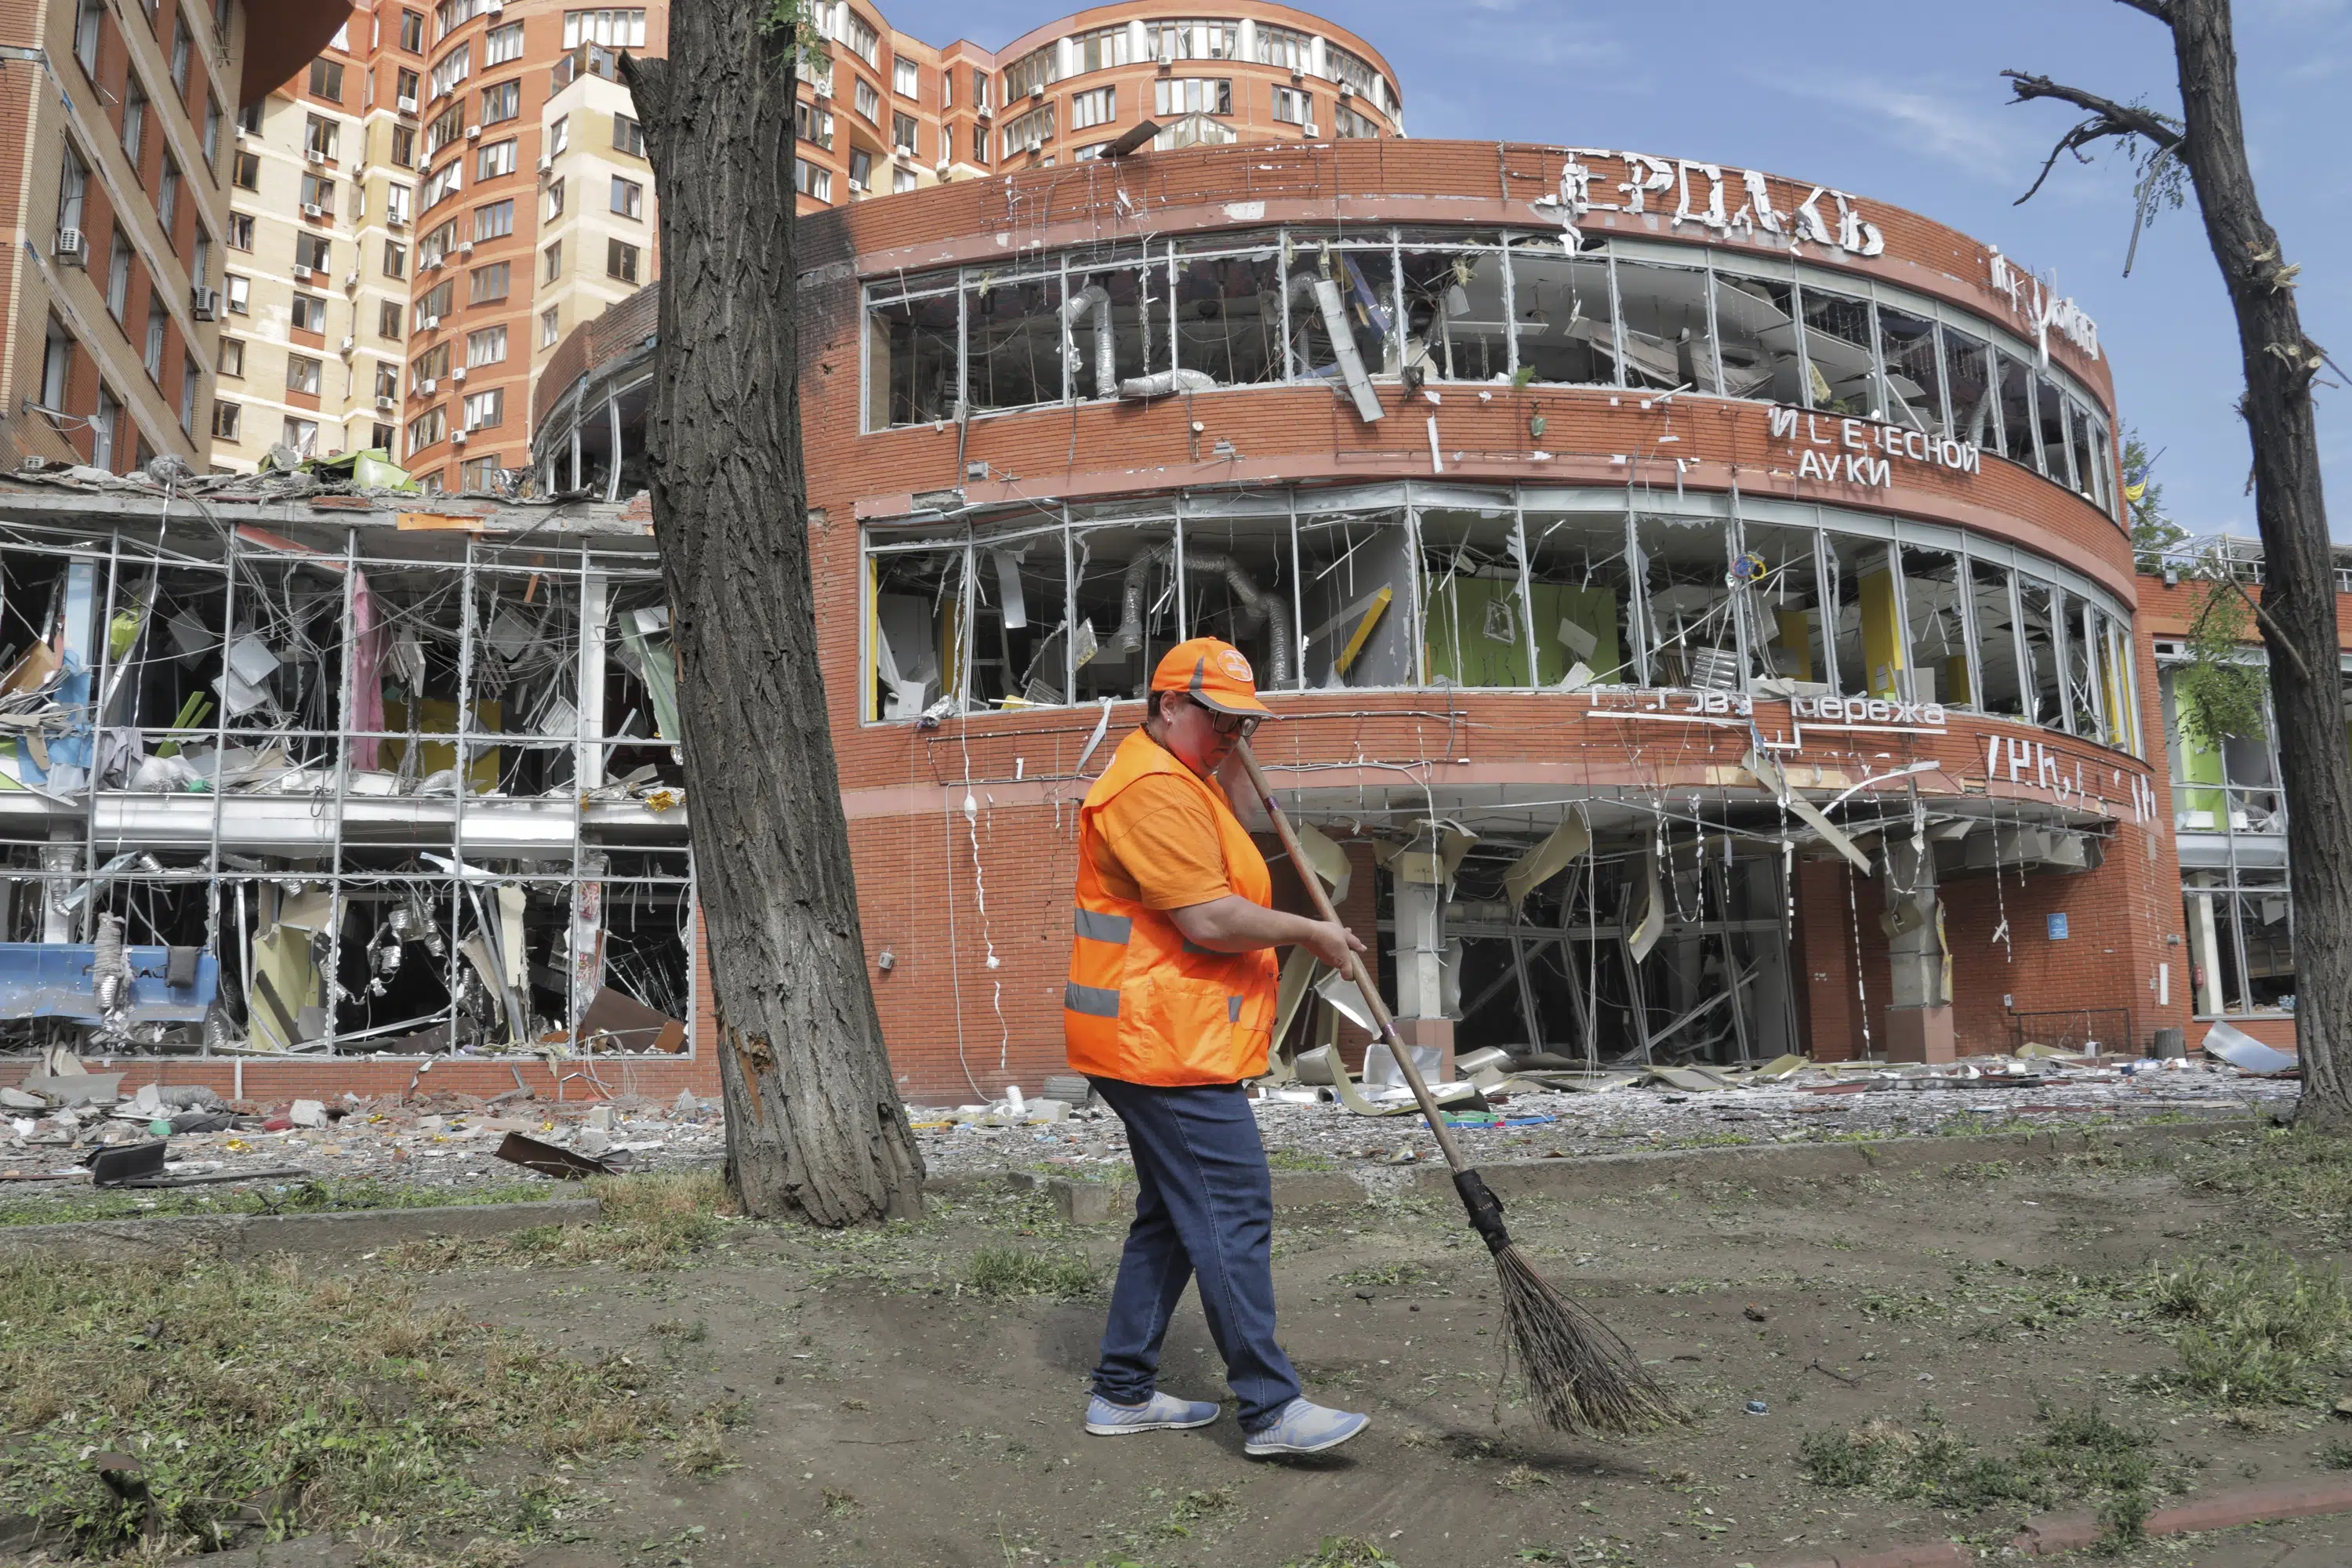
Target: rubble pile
<point>56,1130</point>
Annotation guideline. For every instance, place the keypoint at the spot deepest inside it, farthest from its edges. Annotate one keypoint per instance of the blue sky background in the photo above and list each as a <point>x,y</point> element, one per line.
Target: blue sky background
<point>1903,102</point>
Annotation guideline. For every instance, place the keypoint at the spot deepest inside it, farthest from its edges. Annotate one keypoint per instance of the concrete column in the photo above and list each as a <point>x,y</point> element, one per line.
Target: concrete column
<point>1422,984</point>
<point>1919,1011</point>
<point>61,860</point>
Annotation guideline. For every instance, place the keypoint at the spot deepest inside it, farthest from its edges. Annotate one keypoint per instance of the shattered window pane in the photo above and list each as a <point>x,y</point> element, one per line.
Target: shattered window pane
<point>1239,586</point>
<point>1841,358</point>
<point>1453,325</point>
<point>1999,688</point>
<point>2089,474</point>
<point>1663,316</point>
<point>1915,387</point>
<point>1124,578</point>
<point>1566,325</point>
<point>1580,594</point>
<point>1015,327</point>
<point>2017,420</point>
<point>911,360</point>
<point>1359,280</point>
<point>1869,640</point>
<point>1754,319</point>
<point>1357,592</point>
<point>1933,615</point>
<point>2050,419</point>
<point>1975,396</point>
<point>1693,639</point>
<point>1118,322</point>
<point>917,630</point>
<point>1020,620</point>
<point>2085,713</point>
<point>1786,632</point>
<point>1477,626</point>
<point>2036,600</point>
<point>1229,316</point>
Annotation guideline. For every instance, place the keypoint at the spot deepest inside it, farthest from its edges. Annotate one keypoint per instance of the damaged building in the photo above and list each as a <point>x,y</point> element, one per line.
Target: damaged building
<point>299,774</point>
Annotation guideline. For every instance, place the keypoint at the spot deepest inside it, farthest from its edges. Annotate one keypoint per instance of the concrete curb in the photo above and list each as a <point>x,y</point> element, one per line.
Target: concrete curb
<point>245,1235</point>
<point>1761,1165</point>
<point>2063,1533</point>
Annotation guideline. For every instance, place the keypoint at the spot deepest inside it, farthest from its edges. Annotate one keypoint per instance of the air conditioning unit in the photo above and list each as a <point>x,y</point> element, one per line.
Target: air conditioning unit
<point>473,133</point>
<point>456,437</point>
<point>457,375</point>
<point>1296,76</point>
<point>1347,89</point>
<point>429,387</point>
<point>940,168</point>
<point>204,303</point>
<point>1036,94</point>
<point>465,247</point>
<point>241,132</point>
<point>384,404</point>
<point>1311,131</point>
<point>407,105</point>
<point>312,209</point>
<point>72,248</point>
<point>856,184</point>
<point>316,154</point>
<point>301,273</point>
<point>495,8</point>
<point>351,279</point>
<point>350,343</point>
<point>546,162</point>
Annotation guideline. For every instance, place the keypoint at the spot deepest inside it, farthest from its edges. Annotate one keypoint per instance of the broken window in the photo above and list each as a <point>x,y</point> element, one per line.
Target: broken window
<point>1124,579</point>
<point>1976,395</point>
<point>1579,591</point>
<point>918,629</point>
<point>1999,689</point>
<point>2050,421</point>
<point>1779,575</point>
<point>1116,318</point>
<point>1692,638</point>
<point>1238,585</point>
<point>1476,623</point>
<point>2017,421</point>
<point>1869,633</point>
<point>1665,339</point>
<point>1356,594</point>
<point>2085,715</point>
<point>912,359</point>
<point>1014,325</point>
<point>2118,671</point>
<point>2037,605</point>
<point>1936,620</point>
<point>2239,941</point>
<point>2090,475</point>
<point>1338,312</point>
<point>525,678</point>
<point>1915,383</point>
<point>1020,620</point>
<point>1229,316</point>
<point>1456,322</point>
<point>1566,325</point>
<point>1841,354</point>
<point>1755,318</point>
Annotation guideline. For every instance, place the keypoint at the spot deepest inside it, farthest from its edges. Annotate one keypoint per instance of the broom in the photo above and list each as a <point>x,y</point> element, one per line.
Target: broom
<point>1582,1377</point>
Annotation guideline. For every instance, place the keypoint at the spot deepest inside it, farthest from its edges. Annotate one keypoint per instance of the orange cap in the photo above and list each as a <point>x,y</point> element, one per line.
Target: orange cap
<point>1212,672</point>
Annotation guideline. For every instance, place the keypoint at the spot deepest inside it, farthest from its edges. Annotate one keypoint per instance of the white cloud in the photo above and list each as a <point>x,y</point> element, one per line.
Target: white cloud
<point>1960,125</point>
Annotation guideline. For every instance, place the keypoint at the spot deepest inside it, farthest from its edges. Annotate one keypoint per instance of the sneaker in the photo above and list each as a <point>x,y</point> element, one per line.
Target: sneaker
<point>1303,1428</point>
<point>1160,1412</point>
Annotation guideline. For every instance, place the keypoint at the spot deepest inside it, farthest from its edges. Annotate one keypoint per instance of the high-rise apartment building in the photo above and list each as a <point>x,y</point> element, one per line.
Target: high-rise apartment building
<point>435,204</point>
<point>115,136</point>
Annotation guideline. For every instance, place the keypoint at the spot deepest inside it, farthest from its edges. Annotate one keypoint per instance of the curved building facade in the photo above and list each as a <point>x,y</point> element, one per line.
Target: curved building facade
<point>1696,600</point>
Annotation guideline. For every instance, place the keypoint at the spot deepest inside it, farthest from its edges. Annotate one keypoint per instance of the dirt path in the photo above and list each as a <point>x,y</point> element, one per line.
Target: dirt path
<point>882,1411</point>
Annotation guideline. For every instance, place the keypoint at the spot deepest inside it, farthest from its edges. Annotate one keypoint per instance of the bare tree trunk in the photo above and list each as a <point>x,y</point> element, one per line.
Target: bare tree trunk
<point>2298,602</point>
<point>814,1126</point>
<point>2298,568</point>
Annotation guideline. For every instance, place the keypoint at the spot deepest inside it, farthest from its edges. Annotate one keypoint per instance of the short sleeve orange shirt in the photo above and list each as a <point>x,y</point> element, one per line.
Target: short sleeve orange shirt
<point>1156,842</point>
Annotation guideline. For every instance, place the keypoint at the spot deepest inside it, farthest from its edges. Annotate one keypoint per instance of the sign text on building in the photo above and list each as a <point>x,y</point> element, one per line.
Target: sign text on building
<point>1848,451</point>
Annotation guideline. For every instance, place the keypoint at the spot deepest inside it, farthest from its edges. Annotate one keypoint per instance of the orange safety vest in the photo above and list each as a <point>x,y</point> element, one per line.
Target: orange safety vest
<point>1143,1005</point>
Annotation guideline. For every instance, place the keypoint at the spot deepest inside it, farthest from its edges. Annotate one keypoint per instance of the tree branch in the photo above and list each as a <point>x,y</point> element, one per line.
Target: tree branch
<point>2278,638</point>
<point>2160,9</point>
<point>2108,118</point>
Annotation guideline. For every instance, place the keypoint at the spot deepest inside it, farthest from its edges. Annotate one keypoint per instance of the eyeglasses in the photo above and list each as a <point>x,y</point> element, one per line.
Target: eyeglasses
<point>1238,724</point>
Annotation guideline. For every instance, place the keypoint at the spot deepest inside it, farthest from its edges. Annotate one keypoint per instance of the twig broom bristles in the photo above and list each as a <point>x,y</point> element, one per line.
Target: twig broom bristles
<point>1581,1376</point>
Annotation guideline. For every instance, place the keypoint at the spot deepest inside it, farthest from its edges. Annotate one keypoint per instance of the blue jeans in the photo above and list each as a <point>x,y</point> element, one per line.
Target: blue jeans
<point>1205,1209</point>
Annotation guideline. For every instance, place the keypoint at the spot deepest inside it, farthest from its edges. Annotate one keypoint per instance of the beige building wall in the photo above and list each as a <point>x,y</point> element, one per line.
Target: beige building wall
<point>596,237</point>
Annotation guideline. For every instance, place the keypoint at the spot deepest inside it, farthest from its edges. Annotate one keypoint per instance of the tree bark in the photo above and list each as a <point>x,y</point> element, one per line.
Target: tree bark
<point>814,1126</point>
<point>2299,569</point>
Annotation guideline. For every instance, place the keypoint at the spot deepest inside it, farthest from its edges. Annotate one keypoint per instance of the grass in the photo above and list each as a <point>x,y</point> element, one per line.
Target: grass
<point>656,1221</point>
<point>1345,1552</point>
<point>329,1196</point>
<point>273,1398</point>
<point>1385,1274</point>
<point>2253,1328</point>
<point>1017,1271</point>
<point>2302,1174</point>
<point>2078,1455</point>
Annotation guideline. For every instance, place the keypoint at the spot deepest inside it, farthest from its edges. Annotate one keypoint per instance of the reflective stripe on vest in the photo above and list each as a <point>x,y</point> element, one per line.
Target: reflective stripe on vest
<point>1096,925</point>
<point>1092,1000</point>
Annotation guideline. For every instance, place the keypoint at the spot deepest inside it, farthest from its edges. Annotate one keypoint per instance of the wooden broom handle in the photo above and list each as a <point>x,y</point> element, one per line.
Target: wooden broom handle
<point>1355,970</point>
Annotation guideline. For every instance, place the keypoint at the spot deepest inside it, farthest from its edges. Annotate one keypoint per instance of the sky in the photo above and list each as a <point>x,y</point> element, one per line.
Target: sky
<point>1902,101</point>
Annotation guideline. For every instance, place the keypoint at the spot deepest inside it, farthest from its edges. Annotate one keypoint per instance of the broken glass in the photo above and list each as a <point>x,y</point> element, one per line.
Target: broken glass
<point>918,631</point>
<point>1357,594</point>
<point>1020,620</point>
<point>1565,325</point>
<point>1665,339</point>
<point>1936,620</point>
<point>1976,395</point>
<point>1455,325</point>
<point>1841,354</point>
<point>1999,686</point>
<point>2090,476</point>
<point>1869,633</point>
<point>1016,340</point>
<point>1781,573</point>
<point>2038,606</point>
<point>1238,585</point>
<point>912,359</point>
<point>1124,587</point>
<point>1914,384</point>
<point>1755,318</point>
<point>2017,421</point>
<point>1359,291</point>
<point>1229,316</point>
<point>1118,326</point>
<point>1476,627</point>
<point>1693,639</point>
<point>2050,420</point>
<point>2085,713</point>
<point>1582,604</point>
